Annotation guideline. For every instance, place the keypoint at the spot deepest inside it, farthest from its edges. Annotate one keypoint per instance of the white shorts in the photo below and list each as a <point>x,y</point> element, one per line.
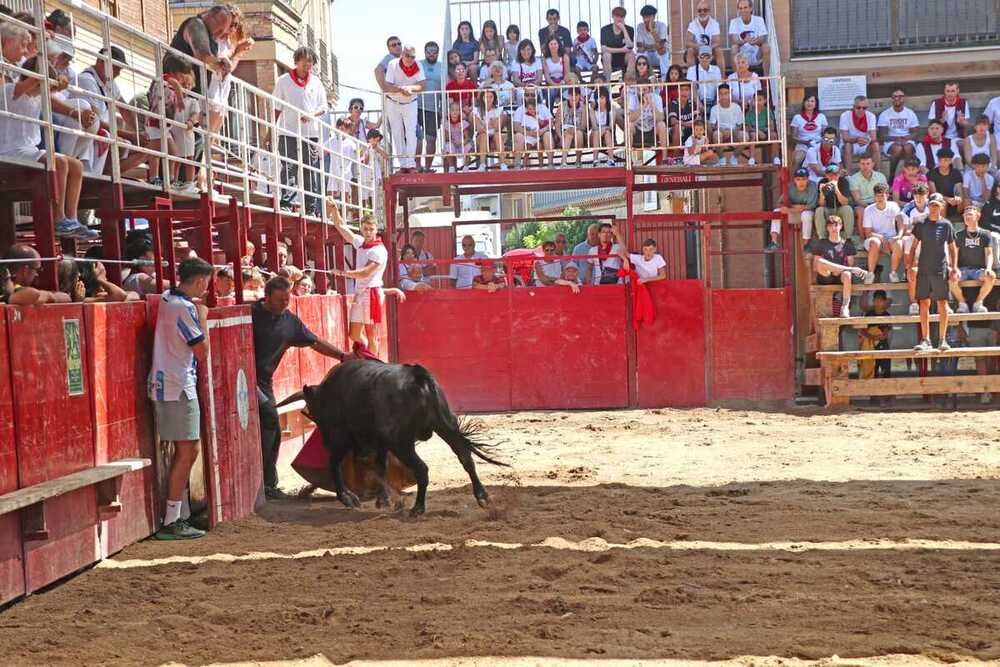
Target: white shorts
<point>449,149</point>
<point>870,241</point>
<point>361,308</point>
<point>218,93</point>
<point>890,142</point>
<point>28,153</point>
<point>858,149</point>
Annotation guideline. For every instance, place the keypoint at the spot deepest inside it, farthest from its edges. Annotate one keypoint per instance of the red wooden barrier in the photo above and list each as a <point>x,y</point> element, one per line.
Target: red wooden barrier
<point>750,334</point>
<point>120,345</point>
<point>11,548</point>
<point>324,315</point>
<point>670,353</point>
<point>54,433</point>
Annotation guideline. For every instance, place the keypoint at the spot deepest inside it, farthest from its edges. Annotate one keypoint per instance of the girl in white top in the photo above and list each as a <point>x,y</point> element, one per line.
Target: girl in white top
<point>696,150</point>
<point>556,63</point>
<point>504,89</point>
<point>509,55</point>
<point>743,83</point>
<point>533,129</point>
<point>335,183</point>
<point>601,136</point>
<point>574,117</point>
<point>489,121</point>
<point>807,128</point>
<point>527,69</point>
<point>233,47</point>
<point>456,137</point>
<point>980,142</point>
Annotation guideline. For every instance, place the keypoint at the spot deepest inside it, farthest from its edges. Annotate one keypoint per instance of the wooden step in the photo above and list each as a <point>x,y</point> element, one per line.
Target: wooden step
<point>857,355</point>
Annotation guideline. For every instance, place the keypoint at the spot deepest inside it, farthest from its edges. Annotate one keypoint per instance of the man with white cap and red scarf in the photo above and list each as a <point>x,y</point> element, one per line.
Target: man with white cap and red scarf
<point>404,81</point>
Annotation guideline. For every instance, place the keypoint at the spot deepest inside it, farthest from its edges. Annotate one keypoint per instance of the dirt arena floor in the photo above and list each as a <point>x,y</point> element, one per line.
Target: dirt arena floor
<point>681,536</point>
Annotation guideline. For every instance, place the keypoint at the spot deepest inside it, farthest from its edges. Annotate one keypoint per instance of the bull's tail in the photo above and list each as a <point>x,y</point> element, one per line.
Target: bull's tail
<point>458,433</point>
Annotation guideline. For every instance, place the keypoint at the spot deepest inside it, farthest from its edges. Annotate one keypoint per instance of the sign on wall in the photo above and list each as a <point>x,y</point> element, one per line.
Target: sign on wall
<point>74,359</point>
<point>838,92</point>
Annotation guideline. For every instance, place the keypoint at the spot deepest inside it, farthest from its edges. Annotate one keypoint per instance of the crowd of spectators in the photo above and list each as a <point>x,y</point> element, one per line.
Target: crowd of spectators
<point>497,102</point>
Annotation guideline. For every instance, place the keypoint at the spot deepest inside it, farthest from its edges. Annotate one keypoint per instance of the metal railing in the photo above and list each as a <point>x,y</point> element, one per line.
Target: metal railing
<point>581,125</point>
<point>863,26</point>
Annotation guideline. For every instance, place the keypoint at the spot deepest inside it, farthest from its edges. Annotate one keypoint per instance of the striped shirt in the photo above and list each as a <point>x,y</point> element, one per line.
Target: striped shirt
<point>175,370</point>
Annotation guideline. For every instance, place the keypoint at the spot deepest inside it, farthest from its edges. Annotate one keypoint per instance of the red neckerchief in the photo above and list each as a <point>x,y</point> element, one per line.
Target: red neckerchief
<point>929,152</point>
<point>410,70</point>
<point>367,245</point>
<point>642,302</point>
<point>301,83</point>
<point>810,122</point>
<point>959,105</point>
<point>860,125</point>
<point>825,153</point>
<point>49,25</point>
<point>604,249</point>
<point>580,39</point>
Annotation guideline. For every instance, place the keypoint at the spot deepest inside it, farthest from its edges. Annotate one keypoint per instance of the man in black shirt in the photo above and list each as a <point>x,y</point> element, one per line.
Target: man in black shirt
<point>681,116</point>
<point>199,35</point>
<point>975,261</point>
<point>275,330</point>
<point>553,29</point>
<point>947,182</point>
<point>937,263</point>
<point>617,44</point>
<point>833,261</point>
<point>834,191</point>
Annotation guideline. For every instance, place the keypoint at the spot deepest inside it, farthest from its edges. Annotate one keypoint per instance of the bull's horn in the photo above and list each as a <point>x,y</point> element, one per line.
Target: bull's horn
<point>297,396</point>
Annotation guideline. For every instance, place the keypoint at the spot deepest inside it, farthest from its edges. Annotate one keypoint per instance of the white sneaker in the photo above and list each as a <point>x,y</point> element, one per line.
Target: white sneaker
<point>963,307</point>
<point>869,278</point>
<point>777,161</point>
<point>894,277</point>
<point>978,307</point>
<point>986,398</point>
<point>751,162</point>
<point>859,273</point>
<point>503,166</point>
<point>914,308</point>
<point>845,311</point>
<point>952,312</point>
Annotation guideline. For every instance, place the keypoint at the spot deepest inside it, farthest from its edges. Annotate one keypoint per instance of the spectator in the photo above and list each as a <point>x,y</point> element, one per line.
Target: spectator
<point>67,109</point>
<point>704,32</point>
<point>978,183</point>
<point>934,143</point>
<point>617,44</point>
<point>570,278</point>
<point>858,133</point>
<point>875,337</point>
<point>198,37</point>
<point>490,58</point>
<point>487,279</point>
<point>489,39</point>
<point>681,115</point>
<point>897,131</point>
<point>834,199</point>
<point>652,39</point>
<point>303,286</point>
<point>6,284</point>
<point>707,76</point>
<point>696,149</point>
<point>23,264</point>
<point>511,46</point>
<point>96,80</point>
<point>910,177</point>
<point>649,265</point>
<point>20,139</point>
<point>404,81</point>
<point>15,41</point>
<point>232,47</point>
<point>224,283</point>
<point>602,136</point>
<point>429,107</point>
<point>553,29</point>
<point>414,280</point>
<point>882,231</point>
<point>395,47</point>
<point>673,79</point>
<point>953,112</point>
<point>801,202</point>
<point>464,272</point>
<point>863,184</point>
<point>574,118</point>
<point>533,131</point>
<point>992,112</point>
<point>505,92</point>
<point>71,281</point>
<point>527,70</point>
<point>727,123</point>
<point>555,65</point>
<point>748,36</point>
<point>647,121</point>
<point>561,247</point>
<point>453,60</point>
<point>406,256</point>
<point>298,134</point>
<point>603,268</point>
<point>180,348</point>
<point>462,89</point>
<point>456,138</point>
<point>744,83</point>
<point>760,127</point>
<point>584,52</point>
<point>937,263</point>
<point>488,121</point>
<point>547,271</point>
<point>467,45</point>
<point>935,207</point>
<point>807,129</point>
<point>418,239</point>
<point>338,182</point>
<point>980,142</point>
<point>188,113</point>
<point>253,283</point>
<point>975,262</point>
<point>643,74</point>
<point>990,214</point>
<point>170,92</point>
<point>833,261</point>
<point>359,125</point>
<point>142,278</point>
<point>591,240</point>
<point>944,180</point>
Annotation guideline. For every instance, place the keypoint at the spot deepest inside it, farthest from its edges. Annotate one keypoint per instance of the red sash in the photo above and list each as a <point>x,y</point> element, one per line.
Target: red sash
<point>939,106</point>
<point>642,302</point>
<point>301,83</point>
<point>862,125</point>
<point>929,152</point>
<point>825,154</point>
<point>409,71</point>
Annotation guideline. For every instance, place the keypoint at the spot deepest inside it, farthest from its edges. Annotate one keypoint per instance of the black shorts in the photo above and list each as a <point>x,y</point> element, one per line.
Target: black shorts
<point>642,139</point>
<point>429,120</point>
<point>932,285</point>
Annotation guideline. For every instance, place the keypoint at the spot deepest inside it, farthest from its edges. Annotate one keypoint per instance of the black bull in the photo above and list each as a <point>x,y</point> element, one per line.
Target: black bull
<point>369,407</point>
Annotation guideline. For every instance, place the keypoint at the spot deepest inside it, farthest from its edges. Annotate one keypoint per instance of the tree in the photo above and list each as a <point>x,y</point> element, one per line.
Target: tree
<point>533,234</point>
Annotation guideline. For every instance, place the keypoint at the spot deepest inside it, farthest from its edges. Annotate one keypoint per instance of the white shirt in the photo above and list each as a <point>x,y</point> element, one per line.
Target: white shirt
<point>992,112</point>
<point>18,136</point>
<point>948,116</point>
<point>585,54</point>
<point>707,91</point>
<point>647,116</point>
<point>812,158</point>
<point>463,274</point>
<point>756,28</point>
<point>728,118</point>
<point>307,100</point>
<point>363,257</point>
<point>174,371</point>
<point>978,190</point>
<point>882,221</point>
<point>530,73</point>
<point>898,123</point>
<point>809,131</point>
<point>743,91</point>
<point>913,215</point>
<point>612,261</point>
<point>690,157</point>
<point>847,124</point>
<point>533,125</point>
<point>88,80</point>
<point>660,32</point>
<point>704,33</point>
<point>646,269</point>
<point>394,74</point>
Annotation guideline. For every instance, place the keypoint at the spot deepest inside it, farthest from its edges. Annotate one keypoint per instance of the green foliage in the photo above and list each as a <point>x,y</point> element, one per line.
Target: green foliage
<point>533,234</point>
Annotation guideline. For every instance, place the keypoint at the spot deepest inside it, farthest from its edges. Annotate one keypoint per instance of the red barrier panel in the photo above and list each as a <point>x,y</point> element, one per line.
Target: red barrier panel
<point>463,337</point>
<point>670,354</point>
<point>232,443</point>
<point>120,345</point>
<point>54,433</point>
<point>11,548</point>
<point>324,316</point>
<point>383,329</point>
<point>751,346</point>
<point>568,351</point>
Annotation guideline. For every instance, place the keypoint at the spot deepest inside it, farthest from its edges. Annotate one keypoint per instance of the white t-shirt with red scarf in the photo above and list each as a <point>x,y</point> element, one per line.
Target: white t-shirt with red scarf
<point>810,128</point>
<point>858,127</point>
<point>605,258</point>
<point>367,252</point>
<point>944,112</point>
<point>397,73</point>
<point>307,95</point>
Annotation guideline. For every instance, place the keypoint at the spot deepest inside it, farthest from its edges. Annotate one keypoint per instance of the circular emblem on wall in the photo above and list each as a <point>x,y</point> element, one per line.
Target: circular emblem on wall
<point>242,399</point>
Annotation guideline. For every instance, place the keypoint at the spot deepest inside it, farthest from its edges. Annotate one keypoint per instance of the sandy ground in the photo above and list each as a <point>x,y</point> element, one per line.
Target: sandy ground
<point>667,475</point>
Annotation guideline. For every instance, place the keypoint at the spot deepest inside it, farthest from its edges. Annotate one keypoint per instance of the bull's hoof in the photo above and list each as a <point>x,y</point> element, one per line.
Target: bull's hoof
<point>484,502</point>
<point>350,500</point>
<point>417,510</point>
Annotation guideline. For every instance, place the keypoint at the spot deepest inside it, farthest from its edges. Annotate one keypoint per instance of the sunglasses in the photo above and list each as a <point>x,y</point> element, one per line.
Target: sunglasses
<point>704,11</point>
<point>859,108</point>
<point>355,107</point>
<point>898,96</point>
<point>393,45</point>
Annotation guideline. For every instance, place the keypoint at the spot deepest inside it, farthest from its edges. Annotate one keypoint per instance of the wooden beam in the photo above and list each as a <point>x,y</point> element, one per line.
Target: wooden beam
<point>888,287</point>
<point>814,377</point>
<point>952,384</point>
<point>854,355</point>
<point>37,493</point>
<point>861,322</point>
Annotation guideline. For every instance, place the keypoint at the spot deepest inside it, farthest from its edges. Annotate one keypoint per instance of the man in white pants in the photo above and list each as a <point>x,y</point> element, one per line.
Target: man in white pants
<point>371,260</point>
<point>404,80</point>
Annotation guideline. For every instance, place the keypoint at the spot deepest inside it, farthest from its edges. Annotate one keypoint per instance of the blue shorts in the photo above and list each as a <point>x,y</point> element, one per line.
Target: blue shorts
<point>969,273</point>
